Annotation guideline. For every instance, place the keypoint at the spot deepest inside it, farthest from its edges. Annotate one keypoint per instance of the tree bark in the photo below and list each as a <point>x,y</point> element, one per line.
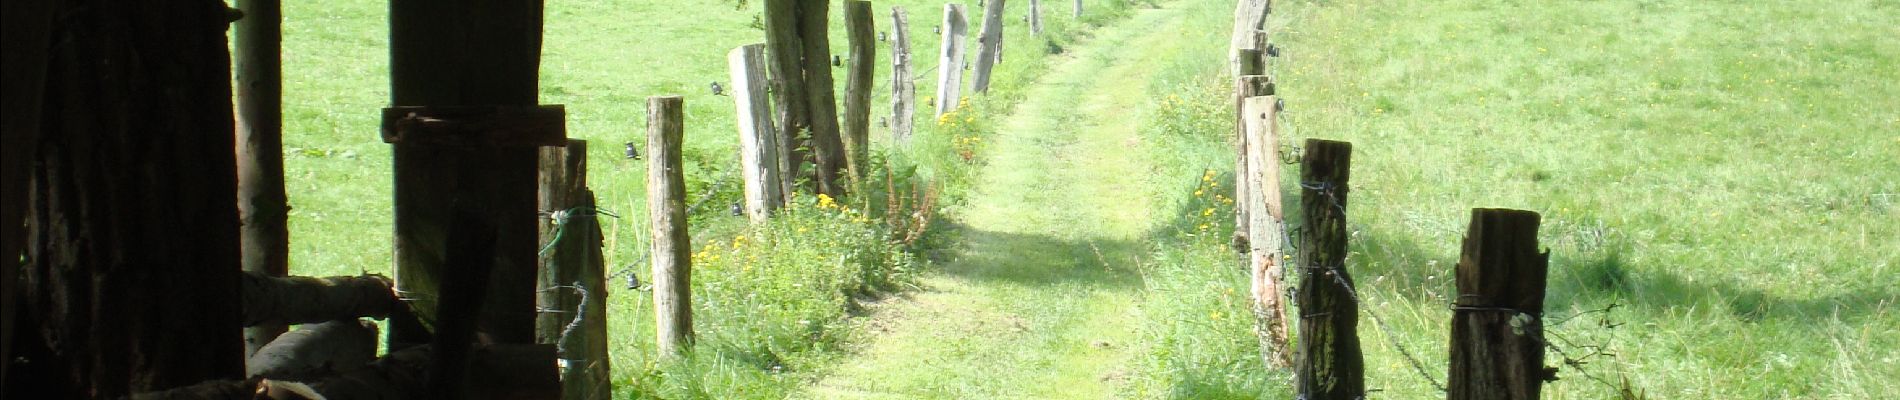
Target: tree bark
<point>28,24</point>
<point>263,208</point>
<point>672,245</point>
<point>761,158</point>
<point>1497,324</point>
<point>903,88</point>
<point>1330,366</point>
<point>950,60</point>
<point>450,53</point>
<point>132,226</point>
<point>821,96</point>
<point>989,46</point>
<point>270,300</point>
<point>858,85</point>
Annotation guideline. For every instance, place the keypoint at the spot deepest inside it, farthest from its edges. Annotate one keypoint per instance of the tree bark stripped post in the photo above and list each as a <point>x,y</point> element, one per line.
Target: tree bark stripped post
<point>1497,323</point>
<point>573,282</point>
<point>131,224</point>
<point>1250,22</point>
<point>263,208</point>
<point>1330,366</point>
<point>903,88</point>
<point>28,24</point>
<point>860,31</point>
<point>1265,256</point>
<point>762,159</point>
<point>483,57</point>
<point>828,153</point>
<point>950,60</point>
<point>1035,17</point>
<point>791,115</point>
<point>672,246</point>
<point>1245,86</point>
<point>989,45</point>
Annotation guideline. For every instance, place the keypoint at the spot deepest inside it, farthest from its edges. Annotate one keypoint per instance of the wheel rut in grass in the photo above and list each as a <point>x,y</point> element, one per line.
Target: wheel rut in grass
<point>1040,299</point>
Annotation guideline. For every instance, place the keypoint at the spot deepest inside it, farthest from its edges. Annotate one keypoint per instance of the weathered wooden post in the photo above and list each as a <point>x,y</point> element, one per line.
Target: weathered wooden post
<point>989,46</point>
<point>133,194</point>
<point>1078,9</point>
<point>950,60</point>
<point>672,246</point>
<point>1497,323</point>
<point>464,80</point>
<point>860,31</point>
<point>263,209</point>
<point>1330,366</point>
<point>760,156</point>
<point>1035,17</point>
<point>903,89</point>
<point>1264,256</point>
<point>1250,22</point>
<point>1245,86</point>
<point>28,24</point>
<point>572,281</point>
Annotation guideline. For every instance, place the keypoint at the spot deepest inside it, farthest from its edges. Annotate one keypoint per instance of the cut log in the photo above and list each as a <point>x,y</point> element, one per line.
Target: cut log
<point>315,350</point>
<point>301,300</point>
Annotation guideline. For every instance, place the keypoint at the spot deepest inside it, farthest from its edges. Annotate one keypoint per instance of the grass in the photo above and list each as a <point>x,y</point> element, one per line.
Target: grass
<point>1724,172</point>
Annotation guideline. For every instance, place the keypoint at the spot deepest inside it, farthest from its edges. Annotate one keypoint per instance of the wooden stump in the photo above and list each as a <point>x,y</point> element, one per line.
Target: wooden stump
<point>1330,366</point>
<point>672,246</point>
<point>1497,324</point>
<point>950,60</point>
<point>762,159</point>
<point>989,45</point>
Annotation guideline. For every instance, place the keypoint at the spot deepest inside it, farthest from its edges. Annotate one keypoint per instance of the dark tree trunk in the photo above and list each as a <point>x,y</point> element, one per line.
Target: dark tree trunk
<point>787,66</point>
<point>821,96</point>
<point>132,222</point>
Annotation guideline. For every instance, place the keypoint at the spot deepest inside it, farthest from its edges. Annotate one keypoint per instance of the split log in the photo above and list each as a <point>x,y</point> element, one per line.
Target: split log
<point>950,59</point>
<point>314,351</point>
<point>1262,182</point>
<point>1250,21</point>
<point>672,246</point>
<point>989,46</point>
<point>903,89</point>
<point>301,300</point>
<point>762,158</point>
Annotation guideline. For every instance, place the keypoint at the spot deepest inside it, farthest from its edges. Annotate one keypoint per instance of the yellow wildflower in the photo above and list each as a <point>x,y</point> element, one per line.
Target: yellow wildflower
<point>1207,212</point>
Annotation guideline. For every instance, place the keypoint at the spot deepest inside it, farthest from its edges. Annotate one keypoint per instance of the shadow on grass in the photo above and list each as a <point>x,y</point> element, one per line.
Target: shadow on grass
<point>1040,260</point>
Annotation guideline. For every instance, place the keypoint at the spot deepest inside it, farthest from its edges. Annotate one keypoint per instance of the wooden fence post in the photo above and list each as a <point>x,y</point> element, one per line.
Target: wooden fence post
<point>1078,9</point>
<point>1250,19</point>
<point>1497,323</point>
<point>1245,86</point>
<point>1330,366</point>
<point>460,72</point>
<point>1035,17</point>
<point>787,65</point>
<point>903,89</point>
<point>672,246</point>
<point>859,31</point>
<point>989,46</point>
<point>950,59</point>
<point>572,284</point>
<point>263,208</point>
<point>762,159</point>
<point>1264,254</point>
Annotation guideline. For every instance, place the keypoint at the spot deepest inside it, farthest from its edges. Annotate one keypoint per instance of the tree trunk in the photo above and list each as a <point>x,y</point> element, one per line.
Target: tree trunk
<point>450,53</point>
<point>263,209</point>
<point>903,88</point>
<point>672,246</point>
<point>1330,366</point>
<point>859,30</point>
<point>28,25</point>
<point>821,96</point>
<point>132,222</point>
<point>787,51</point>
<point>989,46</point>
<point>950,60</point>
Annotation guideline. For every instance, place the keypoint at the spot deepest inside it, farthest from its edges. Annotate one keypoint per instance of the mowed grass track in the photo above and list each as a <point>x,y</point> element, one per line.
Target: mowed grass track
<point>1040,300</point>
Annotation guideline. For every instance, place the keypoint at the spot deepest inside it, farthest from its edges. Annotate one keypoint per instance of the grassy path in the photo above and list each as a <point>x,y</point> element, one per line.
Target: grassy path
<point>1041,300</point>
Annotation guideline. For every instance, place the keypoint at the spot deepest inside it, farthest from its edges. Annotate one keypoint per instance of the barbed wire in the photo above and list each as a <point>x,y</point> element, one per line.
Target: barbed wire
<point>633,280</point>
